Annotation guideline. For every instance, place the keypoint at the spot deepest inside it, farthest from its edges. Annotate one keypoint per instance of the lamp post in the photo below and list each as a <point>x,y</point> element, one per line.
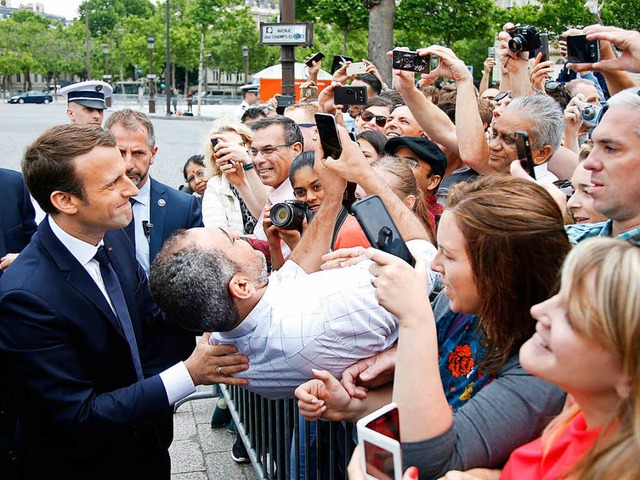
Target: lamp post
<point>106,77</point>
<point>151,76</point>
<point>245,59</point>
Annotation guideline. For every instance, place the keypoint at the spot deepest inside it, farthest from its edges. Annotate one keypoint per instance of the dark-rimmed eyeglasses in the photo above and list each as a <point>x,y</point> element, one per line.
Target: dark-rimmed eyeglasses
<point>381,120</point>
<point>501,95</point>
<point>268,150</point>
<point>201,174</point>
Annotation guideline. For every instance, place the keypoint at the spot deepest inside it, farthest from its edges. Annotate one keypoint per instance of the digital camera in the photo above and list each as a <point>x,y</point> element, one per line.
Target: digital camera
<point>290,214</point>
<point>590,113</point>
<point>524,38</point>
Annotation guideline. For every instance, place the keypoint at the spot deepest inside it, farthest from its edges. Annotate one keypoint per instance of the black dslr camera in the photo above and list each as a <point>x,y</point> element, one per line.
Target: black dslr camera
<point>290,214</point>
<point>524,38</point>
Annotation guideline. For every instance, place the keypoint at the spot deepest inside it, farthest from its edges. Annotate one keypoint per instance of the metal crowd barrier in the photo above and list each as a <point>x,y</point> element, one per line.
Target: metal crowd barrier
<point>268,427</point>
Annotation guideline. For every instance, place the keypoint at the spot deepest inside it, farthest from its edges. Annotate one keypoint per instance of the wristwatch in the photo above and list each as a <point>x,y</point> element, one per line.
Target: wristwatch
<point>247,166</point>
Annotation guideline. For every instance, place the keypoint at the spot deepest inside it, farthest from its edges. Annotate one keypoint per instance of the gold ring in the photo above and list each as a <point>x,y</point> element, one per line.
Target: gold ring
<point>219,370</point>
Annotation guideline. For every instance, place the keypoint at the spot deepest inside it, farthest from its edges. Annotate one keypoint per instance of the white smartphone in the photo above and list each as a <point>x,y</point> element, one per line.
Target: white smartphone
<point>379,441</point>
<point>356,68</point>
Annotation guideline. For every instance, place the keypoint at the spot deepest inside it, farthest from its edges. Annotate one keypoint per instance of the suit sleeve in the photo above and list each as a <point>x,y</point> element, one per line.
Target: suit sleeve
<point>195,213</point>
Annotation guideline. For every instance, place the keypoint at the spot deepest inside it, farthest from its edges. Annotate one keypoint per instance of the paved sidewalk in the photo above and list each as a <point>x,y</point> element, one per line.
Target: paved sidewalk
<point>199,452</point>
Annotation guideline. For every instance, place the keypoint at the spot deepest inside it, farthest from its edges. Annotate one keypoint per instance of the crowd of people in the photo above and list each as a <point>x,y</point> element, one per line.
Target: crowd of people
<point>509,349</point>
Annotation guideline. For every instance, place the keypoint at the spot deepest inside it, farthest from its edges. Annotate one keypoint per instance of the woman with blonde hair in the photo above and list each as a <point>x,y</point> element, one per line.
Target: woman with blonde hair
<point>234,191</point>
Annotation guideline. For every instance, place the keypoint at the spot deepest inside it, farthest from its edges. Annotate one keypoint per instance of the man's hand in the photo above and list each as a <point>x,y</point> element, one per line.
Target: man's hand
<point>488,65</point>
<point>322,397</point>
<point>209,364</point>
<point>350,166</point>
<point>511,62</point>
<point>450,66</point>
<point>403,81</point>
<point>557,194</point>
<point>572,115</point>
<point>540,72</point>
<point>370,372</point>
<point>325,99</point>
<point>627,40</point>
<point>340,75</point>
<point>373,70</point>
<point>7,260</point>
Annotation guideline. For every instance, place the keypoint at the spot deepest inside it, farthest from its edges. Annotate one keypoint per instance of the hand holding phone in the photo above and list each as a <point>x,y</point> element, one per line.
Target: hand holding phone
<point>328,133</point>
<point>356,68</point>
<point>379,441</point>
<point>379,228</point>
<point>315,58</point>
<point>349,95</point>
<point>523,147</point>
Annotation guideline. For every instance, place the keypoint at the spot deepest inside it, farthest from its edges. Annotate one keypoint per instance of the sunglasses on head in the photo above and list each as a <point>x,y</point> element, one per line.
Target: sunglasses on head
<point>501,95</point>
<point>381,120</point>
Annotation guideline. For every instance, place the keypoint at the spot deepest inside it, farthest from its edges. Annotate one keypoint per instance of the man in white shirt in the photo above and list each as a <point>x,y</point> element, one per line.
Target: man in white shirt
<point>299,318</point>
<point>72,310</point>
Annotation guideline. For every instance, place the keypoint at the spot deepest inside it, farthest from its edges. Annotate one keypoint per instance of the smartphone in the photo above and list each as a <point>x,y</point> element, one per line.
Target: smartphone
<point>328,132</point>
<point>309,92</point>
<point>411,61</point>
<point>356,68</point>
<point>349,95</point>
<point>214,142</point>
<point>316,58</point>
<point>379,228</point>
<point>581,50</point>
<point>525,156</point>
<point>491,52</point>
<point>544,47</point>
<point>339,61</point>
<point>379,441</point>
<point>284,100</point>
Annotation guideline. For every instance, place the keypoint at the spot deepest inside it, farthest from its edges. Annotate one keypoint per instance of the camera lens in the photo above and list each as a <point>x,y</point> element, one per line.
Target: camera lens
<point>517,44</point>
<point>588,113</point>
<point>349,91</point>
<point>280,215</point>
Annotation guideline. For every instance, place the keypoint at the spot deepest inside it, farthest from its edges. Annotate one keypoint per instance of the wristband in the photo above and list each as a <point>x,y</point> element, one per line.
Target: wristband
<point>247,166</point>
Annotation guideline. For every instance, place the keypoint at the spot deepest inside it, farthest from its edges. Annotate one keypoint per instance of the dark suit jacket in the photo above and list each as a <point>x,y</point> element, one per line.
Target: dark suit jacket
<point>170,210</point>
<point>17,223</point>
<point>82,412</point>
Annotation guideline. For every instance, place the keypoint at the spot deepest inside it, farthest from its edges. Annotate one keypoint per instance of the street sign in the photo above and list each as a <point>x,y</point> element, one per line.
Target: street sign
<point>151,76</point>
<point>106,77</point>
<point>286,34</point>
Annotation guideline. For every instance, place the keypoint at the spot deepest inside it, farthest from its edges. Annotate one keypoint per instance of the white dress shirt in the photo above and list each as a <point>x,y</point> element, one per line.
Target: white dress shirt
<point>220,207</point>
<point>142,212</point>
<point>325,320</point>
<point>176,380</point>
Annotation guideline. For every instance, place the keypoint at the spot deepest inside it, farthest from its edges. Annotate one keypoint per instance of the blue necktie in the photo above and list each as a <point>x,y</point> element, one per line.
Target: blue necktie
<point>119,304</point>
<point>130,229</point>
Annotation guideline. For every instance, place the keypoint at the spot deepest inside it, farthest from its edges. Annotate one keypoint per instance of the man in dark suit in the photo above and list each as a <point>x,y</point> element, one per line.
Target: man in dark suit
<point>17,216</point>
<point>158,212</point>
<point>17,225</point>
<point>72,310</point>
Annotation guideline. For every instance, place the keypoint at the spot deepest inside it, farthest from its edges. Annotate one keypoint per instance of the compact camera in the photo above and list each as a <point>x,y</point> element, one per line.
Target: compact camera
<point>590,113</point>
<point>524,38</point>
<point>290,214</point>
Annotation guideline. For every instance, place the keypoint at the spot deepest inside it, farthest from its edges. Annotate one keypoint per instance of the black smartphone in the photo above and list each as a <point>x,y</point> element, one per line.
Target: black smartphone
<point>328,132</point>
<point>411,61</point>
<point>379,228</point>
<point>214,142</point>
<point>339,61</point>
<point>581,50</point>
<point>544,47</point>
<point>349,95</point>
<point>316,58</point>
<point>284,100</point>
<point>523,146</point>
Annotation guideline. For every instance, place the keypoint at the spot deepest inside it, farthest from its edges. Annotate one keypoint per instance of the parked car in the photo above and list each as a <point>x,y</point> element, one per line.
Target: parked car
<point>32,97</point>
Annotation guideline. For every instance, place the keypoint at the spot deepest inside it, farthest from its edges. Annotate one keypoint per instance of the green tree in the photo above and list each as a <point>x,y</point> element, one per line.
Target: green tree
<point>346,16</point>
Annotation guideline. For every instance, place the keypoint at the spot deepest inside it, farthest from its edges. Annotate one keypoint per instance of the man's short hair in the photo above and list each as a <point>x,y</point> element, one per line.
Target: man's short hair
<point>132,120</point>
<point>48,165</point>
<point>253,113</point>
<point>571,86</point>
<point>485,108</point>
<point>546,118</point>
<point>394,97</point>
<point>309,108</point>
<point>191,285</point>
<point>627,98</point>
<point>292,133</point>
<point>379,101</point>
<point>371,80</point>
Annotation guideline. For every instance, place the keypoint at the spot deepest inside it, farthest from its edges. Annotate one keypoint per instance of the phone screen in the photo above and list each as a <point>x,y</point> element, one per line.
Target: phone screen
<point>379,228</point>
<point>523,147</point>
<point>544,47</point>
<point>328,132</point>
<point>379,462</point>
<point>411,61</point>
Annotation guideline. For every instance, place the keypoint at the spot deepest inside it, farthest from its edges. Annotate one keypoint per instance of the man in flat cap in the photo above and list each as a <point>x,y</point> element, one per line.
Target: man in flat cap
<point>428,163</point>
<point>86,101</point>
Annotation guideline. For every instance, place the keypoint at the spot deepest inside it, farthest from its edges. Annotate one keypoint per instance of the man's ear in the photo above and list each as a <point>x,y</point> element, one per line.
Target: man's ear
<point>434,181</point>
<point>542,154</point>
<point>297,147</point>
<point>241,287</point>
<point>65,202</point>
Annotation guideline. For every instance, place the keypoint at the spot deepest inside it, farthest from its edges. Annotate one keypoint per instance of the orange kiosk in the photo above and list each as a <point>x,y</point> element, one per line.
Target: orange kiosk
<point>270,80</point>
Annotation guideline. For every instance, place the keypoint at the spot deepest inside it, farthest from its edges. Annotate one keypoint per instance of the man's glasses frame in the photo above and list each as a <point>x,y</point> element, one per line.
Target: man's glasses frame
<point>268,150</point>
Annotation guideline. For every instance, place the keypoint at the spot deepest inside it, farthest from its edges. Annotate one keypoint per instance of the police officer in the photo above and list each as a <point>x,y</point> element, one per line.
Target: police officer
<point>86,101</point>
